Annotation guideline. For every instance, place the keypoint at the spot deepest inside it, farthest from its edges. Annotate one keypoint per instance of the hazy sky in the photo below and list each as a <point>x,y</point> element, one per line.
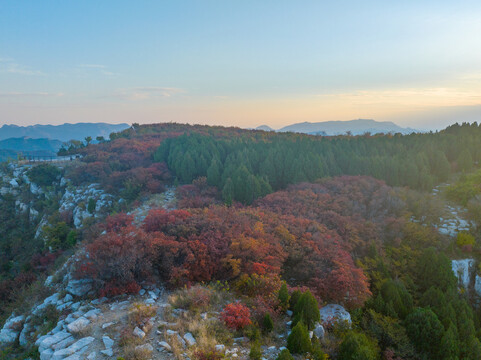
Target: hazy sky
<point>243,63</point>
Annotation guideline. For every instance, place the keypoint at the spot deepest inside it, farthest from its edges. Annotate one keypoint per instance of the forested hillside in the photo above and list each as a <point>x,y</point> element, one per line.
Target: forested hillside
<point>264,230</point>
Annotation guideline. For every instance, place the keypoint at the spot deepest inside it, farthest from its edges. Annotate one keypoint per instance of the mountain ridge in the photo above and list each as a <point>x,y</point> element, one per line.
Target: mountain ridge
<point>339,127</point>
<point>63,132</point>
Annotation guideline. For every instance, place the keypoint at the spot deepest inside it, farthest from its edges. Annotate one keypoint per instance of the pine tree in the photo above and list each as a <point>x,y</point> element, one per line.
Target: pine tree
<point>307,310</point>
<point>227,192</point>
<point>267,323</point>
<point>285,355</point>
<point>298,341</point>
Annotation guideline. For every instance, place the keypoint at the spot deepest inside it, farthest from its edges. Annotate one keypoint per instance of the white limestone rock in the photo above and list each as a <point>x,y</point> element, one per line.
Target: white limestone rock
<point>190,339</point>
<point>139,333</point>
<point>334,313</point>
<point>462,269</point>
<point>79,287</point>
<point>319,331</point>
<point>78,325</point>
<point>165,345</point>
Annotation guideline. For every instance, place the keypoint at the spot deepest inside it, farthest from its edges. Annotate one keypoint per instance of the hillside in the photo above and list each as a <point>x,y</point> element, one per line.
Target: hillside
<point>63,132</point>
<point>173,241</point>
<point>354,127</point>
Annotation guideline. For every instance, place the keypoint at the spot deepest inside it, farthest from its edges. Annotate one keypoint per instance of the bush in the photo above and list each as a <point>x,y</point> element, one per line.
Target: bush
<point>91,205</point>
<point>285,355</point>
<point>43,174</point>
<point>236,316</point>
<point>307,310</point>
<point>256,352</point>
<point>267,323</point>
<point>298,341</point>
<point>464,239</point>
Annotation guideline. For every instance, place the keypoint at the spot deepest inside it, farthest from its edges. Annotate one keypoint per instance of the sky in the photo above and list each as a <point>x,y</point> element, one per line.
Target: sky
<point>242,63</point>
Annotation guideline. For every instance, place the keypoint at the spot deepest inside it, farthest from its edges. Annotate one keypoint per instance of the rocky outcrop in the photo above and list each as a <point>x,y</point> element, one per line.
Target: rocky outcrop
<point>11,329</point>
<point>463,269</point>
<point>334,313</point>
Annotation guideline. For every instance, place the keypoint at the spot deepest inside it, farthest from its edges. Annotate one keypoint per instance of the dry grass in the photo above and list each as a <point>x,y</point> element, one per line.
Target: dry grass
<point>140,315</point>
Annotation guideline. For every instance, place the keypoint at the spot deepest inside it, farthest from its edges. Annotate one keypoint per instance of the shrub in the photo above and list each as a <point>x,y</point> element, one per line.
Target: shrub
<point>43,174</point>
<point>267,323</point>
<point>307,310</point>
<point>195,298</point>
<point>283,297</point>
<point>316,351</point>
<point>91,205</point>
<point>285,355</point>
<point>236,316</point>
<point>256,352</point>
<point>464,239</point>
<point>357,346</point>
<point>298,341</point>
<point>208,355</point>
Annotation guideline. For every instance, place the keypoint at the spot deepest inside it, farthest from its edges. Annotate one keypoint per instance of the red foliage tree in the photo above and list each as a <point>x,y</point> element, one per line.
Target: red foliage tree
<point>236,316</point>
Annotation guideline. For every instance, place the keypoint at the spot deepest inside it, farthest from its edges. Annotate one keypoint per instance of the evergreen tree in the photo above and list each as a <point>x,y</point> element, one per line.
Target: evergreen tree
<point>285,354</point>
<point>227,192</point>
<point>425,330</point>
<point>267,323</point>
<point>307,310</point>
<point>357,346</point>
<point>298,341</point>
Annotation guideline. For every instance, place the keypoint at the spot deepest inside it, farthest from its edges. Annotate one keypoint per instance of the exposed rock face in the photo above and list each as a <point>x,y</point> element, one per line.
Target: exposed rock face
<point>79,287</point>
<point>334,313</point>
<point>463,269</point>
<point>11,329</point>
<point>78,325</point>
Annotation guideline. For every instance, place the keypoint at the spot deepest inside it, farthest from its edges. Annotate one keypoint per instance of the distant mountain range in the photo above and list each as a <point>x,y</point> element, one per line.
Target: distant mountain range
<point>330,128</point>
<point>10,148</point>
<point>63,132</point>
<point>46,140</point>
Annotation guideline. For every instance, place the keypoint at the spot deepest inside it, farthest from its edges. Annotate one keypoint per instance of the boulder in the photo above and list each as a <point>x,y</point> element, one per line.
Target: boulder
<point>319,331</point>
<point>139,333</point>
<point>8,336</point>
<point>92,314</point>
<point>46,354</point>
<point>107,352</point>
<point>165,345</point>
<point>51,340</point>
<point>108,342</point>
<point>144,347</point>
<point>79,287</point>
<point>190,339</point>
<point>334,313</point>
<point>220,348</point>
<point>78,325</point>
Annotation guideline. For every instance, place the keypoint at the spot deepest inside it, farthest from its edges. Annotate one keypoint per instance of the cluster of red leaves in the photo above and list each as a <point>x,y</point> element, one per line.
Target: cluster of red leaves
<point>123,163</point>
<point>197,195</point>
<point>112,289</point>
<point>236,316</point>
<point>307,233</point>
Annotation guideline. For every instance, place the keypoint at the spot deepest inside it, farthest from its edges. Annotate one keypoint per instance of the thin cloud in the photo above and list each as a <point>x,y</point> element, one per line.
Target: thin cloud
<point>99,68</point>
<point>29,94</point>
<point>92,66</point>
<point>147,93</point>
<point>10,66</point>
